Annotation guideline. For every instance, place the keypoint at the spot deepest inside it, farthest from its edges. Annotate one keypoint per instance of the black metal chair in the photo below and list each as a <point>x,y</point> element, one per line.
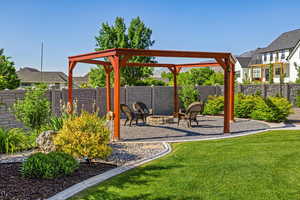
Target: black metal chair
<point>191,113</point>
<point>130,115</point>
<point>142,109</point>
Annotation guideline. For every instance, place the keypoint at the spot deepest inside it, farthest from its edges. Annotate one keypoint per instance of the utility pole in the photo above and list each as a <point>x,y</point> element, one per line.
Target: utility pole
<point>42,57</point>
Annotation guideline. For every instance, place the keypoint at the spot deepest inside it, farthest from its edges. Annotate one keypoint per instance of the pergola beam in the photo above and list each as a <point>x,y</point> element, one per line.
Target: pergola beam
<point>151,53</point>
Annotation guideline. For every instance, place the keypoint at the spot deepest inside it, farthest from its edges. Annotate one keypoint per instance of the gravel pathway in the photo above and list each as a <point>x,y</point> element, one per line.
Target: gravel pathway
<point>123,153</point>
<point>209,126</point>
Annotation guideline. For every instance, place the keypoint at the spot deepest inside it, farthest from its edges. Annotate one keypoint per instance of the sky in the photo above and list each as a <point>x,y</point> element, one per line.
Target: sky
<point>69,27</point>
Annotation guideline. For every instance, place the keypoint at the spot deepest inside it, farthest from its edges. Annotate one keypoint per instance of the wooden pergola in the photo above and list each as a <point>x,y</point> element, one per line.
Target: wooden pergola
<point>118,57</point>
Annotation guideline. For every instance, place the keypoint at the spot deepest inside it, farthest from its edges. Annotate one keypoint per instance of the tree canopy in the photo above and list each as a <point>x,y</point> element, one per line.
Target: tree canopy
<point>8,75</point>
<point>196,76</point>
<point>137,36</point>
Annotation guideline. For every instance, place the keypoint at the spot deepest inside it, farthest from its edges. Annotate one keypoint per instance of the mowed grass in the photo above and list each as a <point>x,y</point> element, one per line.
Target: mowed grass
<point>261,166</point>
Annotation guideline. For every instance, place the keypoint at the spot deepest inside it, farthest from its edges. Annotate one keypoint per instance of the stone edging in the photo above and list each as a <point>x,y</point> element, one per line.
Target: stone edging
<point>71,191</point>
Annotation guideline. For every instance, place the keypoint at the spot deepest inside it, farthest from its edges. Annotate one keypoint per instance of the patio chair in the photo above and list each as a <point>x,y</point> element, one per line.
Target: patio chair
<point>191,113</point>
<point>142,109</point>
<point>130,115</point>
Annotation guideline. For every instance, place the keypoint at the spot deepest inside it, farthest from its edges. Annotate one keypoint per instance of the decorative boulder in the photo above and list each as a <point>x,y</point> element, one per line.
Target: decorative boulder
<point>45,141</point>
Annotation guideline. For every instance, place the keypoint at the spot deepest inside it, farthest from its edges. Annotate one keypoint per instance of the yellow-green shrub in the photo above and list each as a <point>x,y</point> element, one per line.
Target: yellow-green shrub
<point>85,136</point>
<point>214,105</point>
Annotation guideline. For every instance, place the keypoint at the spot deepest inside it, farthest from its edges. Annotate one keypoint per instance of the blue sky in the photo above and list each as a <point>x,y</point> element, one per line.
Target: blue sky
<point>68,27</point>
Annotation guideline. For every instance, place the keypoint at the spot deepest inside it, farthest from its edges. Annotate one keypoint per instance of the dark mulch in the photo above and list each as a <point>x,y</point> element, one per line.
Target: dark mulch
<point>14,187</point>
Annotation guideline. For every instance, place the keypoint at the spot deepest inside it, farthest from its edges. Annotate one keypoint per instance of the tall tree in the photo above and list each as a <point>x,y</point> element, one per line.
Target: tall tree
<point>137,36</point>
<point>8,75</point>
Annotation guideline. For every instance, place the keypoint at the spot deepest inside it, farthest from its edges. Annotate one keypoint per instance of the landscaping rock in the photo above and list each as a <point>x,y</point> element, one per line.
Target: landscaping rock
<point>45,141</point>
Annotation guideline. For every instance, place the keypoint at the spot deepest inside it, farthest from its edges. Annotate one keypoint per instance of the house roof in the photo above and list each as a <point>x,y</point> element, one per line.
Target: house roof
<point>244,61</point>
<point>250,53</point>
<point>80,80</point>
<point>286,40</point>
<point>31,75</point>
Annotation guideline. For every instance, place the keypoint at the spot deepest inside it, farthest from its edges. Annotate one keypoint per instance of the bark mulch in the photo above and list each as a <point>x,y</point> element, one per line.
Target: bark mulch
<point>15,187</point>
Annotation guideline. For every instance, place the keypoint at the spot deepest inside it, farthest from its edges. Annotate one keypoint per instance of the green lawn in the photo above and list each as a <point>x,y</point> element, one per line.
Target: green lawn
<point>262,166</point>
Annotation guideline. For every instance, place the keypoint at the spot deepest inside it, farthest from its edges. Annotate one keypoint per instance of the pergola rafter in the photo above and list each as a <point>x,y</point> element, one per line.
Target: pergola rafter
<point>118,58</point>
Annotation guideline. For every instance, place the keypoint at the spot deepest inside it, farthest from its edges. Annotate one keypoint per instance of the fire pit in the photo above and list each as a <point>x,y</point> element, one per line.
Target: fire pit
<point>159,119</point>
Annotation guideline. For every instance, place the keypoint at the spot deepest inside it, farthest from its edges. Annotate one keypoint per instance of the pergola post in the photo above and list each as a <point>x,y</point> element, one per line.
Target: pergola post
<point>70,87</point>
<point>175,95</point>
<point>227,96</point>
<point>232,71</point>
<point>117,63</point>
<point>107,84</point>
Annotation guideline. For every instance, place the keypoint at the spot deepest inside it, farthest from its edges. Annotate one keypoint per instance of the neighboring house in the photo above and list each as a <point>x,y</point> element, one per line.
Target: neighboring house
<point>30,76</point>
<point>283,54</point>
<point>81,80</point>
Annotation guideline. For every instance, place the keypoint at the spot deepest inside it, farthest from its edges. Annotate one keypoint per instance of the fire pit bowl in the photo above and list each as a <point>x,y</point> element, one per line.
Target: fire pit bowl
<point>159,119</point>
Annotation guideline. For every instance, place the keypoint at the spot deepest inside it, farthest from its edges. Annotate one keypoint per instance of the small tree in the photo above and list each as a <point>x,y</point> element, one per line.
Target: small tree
<point>97,77</point>
<point>8,75</point>
<point>34,111</point>
<point>216,78</point>
<point>188,94</point>
<point>137,36</point>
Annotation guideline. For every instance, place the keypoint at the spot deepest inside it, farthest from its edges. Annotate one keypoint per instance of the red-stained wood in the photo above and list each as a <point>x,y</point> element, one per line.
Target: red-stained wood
<point>231,93</point>
<point>118,58</point>
<point>227,97</point>
<point>203,64</point>
<point>115,61</point>
<point>151,53</point>
<point>70,86</point>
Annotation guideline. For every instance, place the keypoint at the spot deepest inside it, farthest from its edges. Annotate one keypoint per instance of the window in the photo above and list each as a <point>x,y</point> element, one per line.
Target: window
<point>271,56</point>
<point>238,74</point>
<point>277,56</point>
<point>265,57</point>
<point>256,73</point>
<point>282,54</point>
<point>277,71</point>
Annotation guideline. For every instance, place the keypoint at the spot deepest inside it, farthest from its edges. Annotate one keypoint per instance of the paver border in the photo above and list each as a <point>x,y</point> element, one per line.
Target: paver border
<point>71,191</point>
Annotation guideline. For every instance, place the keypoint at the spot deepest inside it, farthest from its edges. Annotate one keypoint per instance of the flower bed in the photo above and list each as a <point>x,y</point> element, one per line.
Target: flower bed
<point>13,186</point>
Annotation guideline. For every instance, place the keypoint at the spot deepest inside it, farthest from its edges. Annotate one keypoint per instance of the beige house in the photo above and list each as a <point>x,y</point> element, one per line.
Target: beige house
<point>31,76</point>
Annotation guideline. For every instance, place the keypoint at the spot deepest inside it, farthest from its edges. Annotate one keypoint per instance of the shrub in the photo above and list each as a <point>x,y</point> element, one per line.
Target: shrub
<point>85,136</point>
<point>188,94</point>
<point>54,124</point>
<point>34,111</point>
<point>13,140</point>
<point>298,99</point>
<point>273,109</point>
<point>214,105</point>
<point>52,165</point>
<point>245,104</point>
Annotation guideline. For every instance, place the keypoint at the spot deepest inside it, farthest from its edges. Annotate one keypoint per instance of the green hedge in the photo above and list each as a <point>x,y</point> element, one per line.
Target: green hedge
<point>271,109</point>
<point>245,104</point>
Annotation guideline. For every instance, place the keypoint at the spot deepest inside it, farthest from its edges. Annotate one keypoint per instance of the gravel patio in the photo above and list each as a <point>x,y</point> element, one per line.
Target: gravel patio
<point>209,126</point>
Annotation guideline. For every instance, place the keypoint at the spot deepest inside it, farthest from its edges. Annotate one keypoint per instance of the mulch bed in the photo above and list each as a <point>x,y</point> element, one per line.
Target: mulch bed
<point>14,187</point>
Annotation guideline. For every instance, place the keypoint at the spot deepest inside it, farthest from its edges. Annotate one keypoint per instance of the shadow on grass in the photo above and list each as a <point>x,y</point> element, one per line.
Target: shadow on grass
<point>137,177</point>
